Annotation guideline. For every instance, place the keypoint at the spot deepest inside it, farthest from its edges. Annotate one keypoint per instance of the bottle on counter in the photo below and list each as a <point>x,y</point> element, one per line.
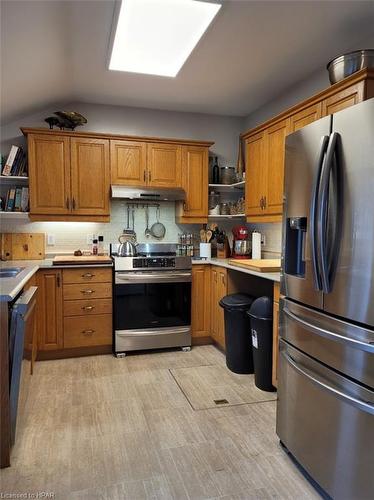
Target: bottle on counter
<point>100,245</point>
<point>94,246</point>
<point>215,171</point>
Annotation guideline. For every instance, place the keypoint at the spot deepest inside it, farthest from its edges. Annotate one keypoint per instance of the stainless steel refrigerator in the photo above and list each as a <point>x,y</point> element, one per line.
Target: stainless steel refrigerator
<point>325,413</point>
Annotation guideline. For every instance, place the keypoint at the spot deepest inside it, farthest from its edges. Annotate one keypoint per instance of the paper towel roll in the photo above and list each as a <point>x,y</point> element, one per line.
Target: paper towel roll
<point>256,245</point>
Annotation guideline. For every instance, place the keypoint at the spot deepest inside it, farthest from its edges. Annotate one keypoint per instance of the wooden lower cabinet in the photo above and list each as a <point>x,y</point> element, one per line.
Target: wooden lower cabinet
<point>218,291</point>
<point>200,301</point>
<point>49,310</point>
<point>74,309</point>
<point>275,334</point>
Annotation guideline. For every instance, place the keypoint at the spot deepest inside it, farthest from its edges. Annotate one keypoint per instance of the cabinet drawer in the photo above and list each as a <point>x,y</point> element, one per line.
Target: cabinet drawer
<point>88,291</point>
<point>87,307</point>
<point>88,275</point>
<point>82,331</point>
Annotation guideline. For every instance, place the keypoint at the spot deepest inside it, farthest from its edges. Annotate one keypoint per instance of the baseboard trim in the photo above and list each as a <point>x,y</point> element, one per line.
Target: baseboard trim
<point>202,340</point>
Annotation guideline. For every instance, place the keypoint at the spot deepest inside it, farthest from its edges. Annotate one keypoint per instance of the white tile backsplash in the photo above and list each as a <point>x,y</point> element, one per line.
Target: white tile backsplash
<point>70,236</point>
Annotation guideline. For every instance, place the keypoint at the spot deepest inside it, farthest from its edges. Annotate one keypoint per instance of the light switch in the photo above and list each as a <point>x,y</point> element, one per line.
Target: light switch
<point>51,240</point>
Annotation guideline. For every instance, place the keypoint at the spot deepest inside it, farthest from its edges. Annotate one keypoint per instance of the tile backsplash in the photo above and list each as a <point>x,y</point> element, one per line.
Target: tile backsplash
<point>70,236</point>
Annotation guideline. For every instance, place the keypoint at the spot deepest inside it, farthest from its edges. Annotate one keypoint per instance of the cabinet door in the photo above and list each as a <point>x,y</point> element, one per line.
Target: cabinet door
<point>164,165</point>
<point>128,162</point>
<point>255,174</point>
<point>275,149</point>
<point>49,174</point>
<point>304,117</point>
<point>195,181</point>
<point>90,181</point>
<point>49,310</point>
<point>343,99</point>
<point>222,291</point>
<point>214,303</point>
<point>200,311</point>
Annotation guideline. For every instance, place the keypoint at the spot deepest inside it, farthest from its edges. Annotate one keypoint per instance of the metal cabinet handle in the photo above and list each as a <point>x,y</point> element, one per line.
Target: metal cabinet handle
<point>88,308</point>
<point>88,333</point>
<point>58,281</point>
<point>67,203</point>
<point>264,202</point>
<point>149,176</point>
<point>144,176</point>
<point>88,275</point>
<point>73,203</point>
<point>87,291</point>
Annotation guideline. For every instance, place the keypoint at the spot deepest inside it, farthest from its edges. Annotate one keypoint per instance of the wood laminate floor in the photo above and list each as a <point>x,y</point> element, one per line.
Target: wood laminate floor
<point>112,429</point>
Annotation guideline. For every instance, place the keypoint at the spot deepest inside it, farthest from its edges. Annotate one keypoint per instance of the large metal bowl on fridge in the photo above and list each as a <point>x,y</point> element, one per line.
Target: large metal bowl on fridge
<point>347,64</point>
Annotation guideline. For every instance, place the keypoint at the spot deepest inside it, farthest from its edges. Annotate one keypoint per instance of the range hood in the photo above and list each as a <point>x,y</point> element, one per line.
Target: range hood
<point>148,193</point>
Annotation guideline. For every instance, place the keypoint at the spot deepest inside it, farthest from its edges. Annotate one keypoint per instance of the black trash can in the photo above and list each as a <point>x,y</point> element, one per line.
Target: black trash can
<point>238,341</point>
<point>261,317</point>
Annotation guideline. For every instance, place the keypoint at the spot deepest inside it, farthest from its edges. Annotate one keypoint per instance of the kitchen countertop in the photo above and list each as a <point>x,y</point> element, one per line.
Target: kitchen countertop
<point>10,287</point>
<point>225,263</point>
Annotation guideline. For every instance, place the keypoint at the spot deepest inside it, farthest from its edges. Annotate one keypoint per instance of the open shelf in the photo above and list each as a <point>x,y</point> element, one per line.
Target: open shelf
<point>227,187</point>
<point>14,215</point>
<point>13,179</point>
<point>234,216</point>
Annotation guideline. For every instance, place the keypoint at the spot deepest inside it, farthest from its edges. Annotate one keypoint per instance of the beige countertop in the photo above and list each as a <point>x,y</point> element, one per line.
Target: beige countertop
<point>225,263</point>
<point>10,287</point>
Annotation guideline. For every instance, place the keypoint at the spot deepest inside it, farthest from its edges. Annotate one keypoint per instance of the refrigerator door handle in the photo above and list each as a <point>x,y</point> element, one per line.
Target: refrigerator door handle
<point>352,342</point>
<point>322,384</point>
<point>314,213</point>
<point>328,257</point>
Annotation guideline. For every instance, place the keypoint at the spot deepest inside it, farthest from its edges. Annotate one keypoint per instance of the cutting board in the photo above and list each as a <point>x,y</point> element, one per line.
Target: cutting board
<point>22,246</point>
<point>259,265</point>
<point>83,259</point>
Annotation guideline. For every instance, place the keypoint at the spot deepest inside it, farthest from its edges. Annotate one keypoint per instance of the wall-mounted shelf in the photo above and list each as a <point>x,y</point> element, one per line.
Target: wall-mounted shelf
<point>236,216</point>
<point>14,215</point>
<point>13,179</point>
<point>228,187</point>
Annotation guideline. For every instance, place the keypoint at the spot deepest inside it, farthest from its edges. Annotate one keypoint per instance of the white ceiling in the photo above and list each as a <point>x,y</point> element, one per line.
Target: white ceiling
<point>55,51</point>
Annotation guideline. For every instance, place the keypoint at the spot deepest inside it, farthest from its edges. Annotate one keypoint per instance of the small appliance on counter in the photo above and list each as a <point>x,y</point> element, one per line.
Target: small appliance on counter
<point>241,243</point>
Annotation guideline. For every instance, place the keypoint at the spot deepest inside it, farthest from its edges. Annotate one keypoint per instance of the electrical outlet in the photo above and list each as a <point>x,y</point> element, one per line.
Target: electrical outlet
<point>51,240</point>
<point>263,240</point>
<point>89,239</point>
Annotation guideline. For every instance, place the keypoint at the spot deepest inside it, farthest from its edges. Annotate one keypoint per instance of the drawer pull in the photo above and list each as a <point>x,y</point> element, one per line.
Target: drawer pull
<point>88,275</point>
<point>88,333</point>
<point>88,308</point>
<point>87,291</point>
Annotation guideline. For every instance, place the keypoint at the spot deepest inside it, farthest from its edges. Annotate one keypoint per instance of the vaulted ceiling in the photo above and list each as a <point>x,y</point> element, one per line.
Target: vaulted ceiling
<point>56,51</point>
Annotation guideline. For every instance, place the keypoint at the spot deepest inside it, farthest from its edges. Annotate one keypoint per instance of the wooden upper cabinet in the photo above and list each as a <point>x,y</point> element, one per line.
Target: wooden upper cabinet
<point>255,174</point>
<point>304,117</point>
<point>49,174</point>
<point>195,181</point>
<point>275,149</point>
<point>49,310</point>
<point>128,162</point>
<point>164,165</point>
<point>90,176</point>
<point>344,99</point>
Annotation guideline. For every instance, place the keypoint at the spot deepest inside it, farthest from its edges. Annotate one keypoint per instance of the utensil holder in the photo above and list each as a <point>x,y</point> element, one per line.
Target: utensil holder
<point>205,250</point>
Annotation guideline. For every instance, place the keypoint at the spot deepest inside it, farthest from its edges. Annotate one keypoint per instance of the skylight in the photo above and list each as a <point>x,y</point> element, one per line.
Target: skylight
<point>156,37</point>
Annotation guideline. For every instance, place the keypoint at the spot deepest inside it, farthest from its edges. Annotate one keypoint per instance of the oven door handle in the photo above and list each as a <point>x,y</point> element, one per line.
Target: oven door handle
<point>152,331</point>
<point>153,278</point>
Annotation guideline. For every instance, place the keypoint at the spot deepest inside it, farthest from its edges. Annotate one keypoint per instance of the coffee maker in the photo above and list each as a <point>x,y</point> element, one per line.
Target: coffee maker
<point>241,243</point>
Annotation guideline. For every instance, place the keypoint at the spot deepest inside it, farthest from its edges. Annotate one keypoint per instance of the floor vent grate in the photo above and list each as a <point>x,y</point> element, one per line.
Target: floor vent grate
<point>221,401</point>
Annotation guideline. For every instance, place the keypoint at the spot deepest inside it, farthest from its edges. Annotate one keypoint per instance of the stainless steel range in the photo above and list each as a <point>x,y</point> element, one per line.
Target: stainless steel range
<point>152,299</point>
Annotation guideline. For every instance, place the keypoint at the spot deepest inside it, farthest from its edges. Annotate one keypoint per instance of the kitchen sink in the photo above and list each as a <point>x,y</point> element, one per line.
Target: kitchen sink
<point>10,272</point>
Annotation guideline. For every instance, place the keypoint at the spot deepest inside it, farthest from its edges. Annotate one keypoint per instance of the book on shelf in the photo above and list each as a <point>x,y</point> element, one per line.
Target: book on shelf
<point>16,200</point>
<point>10,200</point>
<point>25,199</point>
<point>16,163</point>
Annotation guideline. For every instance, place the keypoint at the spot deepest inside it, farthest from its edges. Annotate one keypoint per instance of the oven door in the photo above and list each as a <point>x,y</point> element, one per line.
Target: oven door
<point>152,300</point>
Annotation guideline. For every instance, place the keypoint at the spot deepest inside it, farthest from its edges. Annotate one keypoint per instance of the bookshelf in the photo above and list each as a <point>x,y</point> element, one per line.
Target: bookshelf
<point>14,215</point>
<point>13,179</point>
